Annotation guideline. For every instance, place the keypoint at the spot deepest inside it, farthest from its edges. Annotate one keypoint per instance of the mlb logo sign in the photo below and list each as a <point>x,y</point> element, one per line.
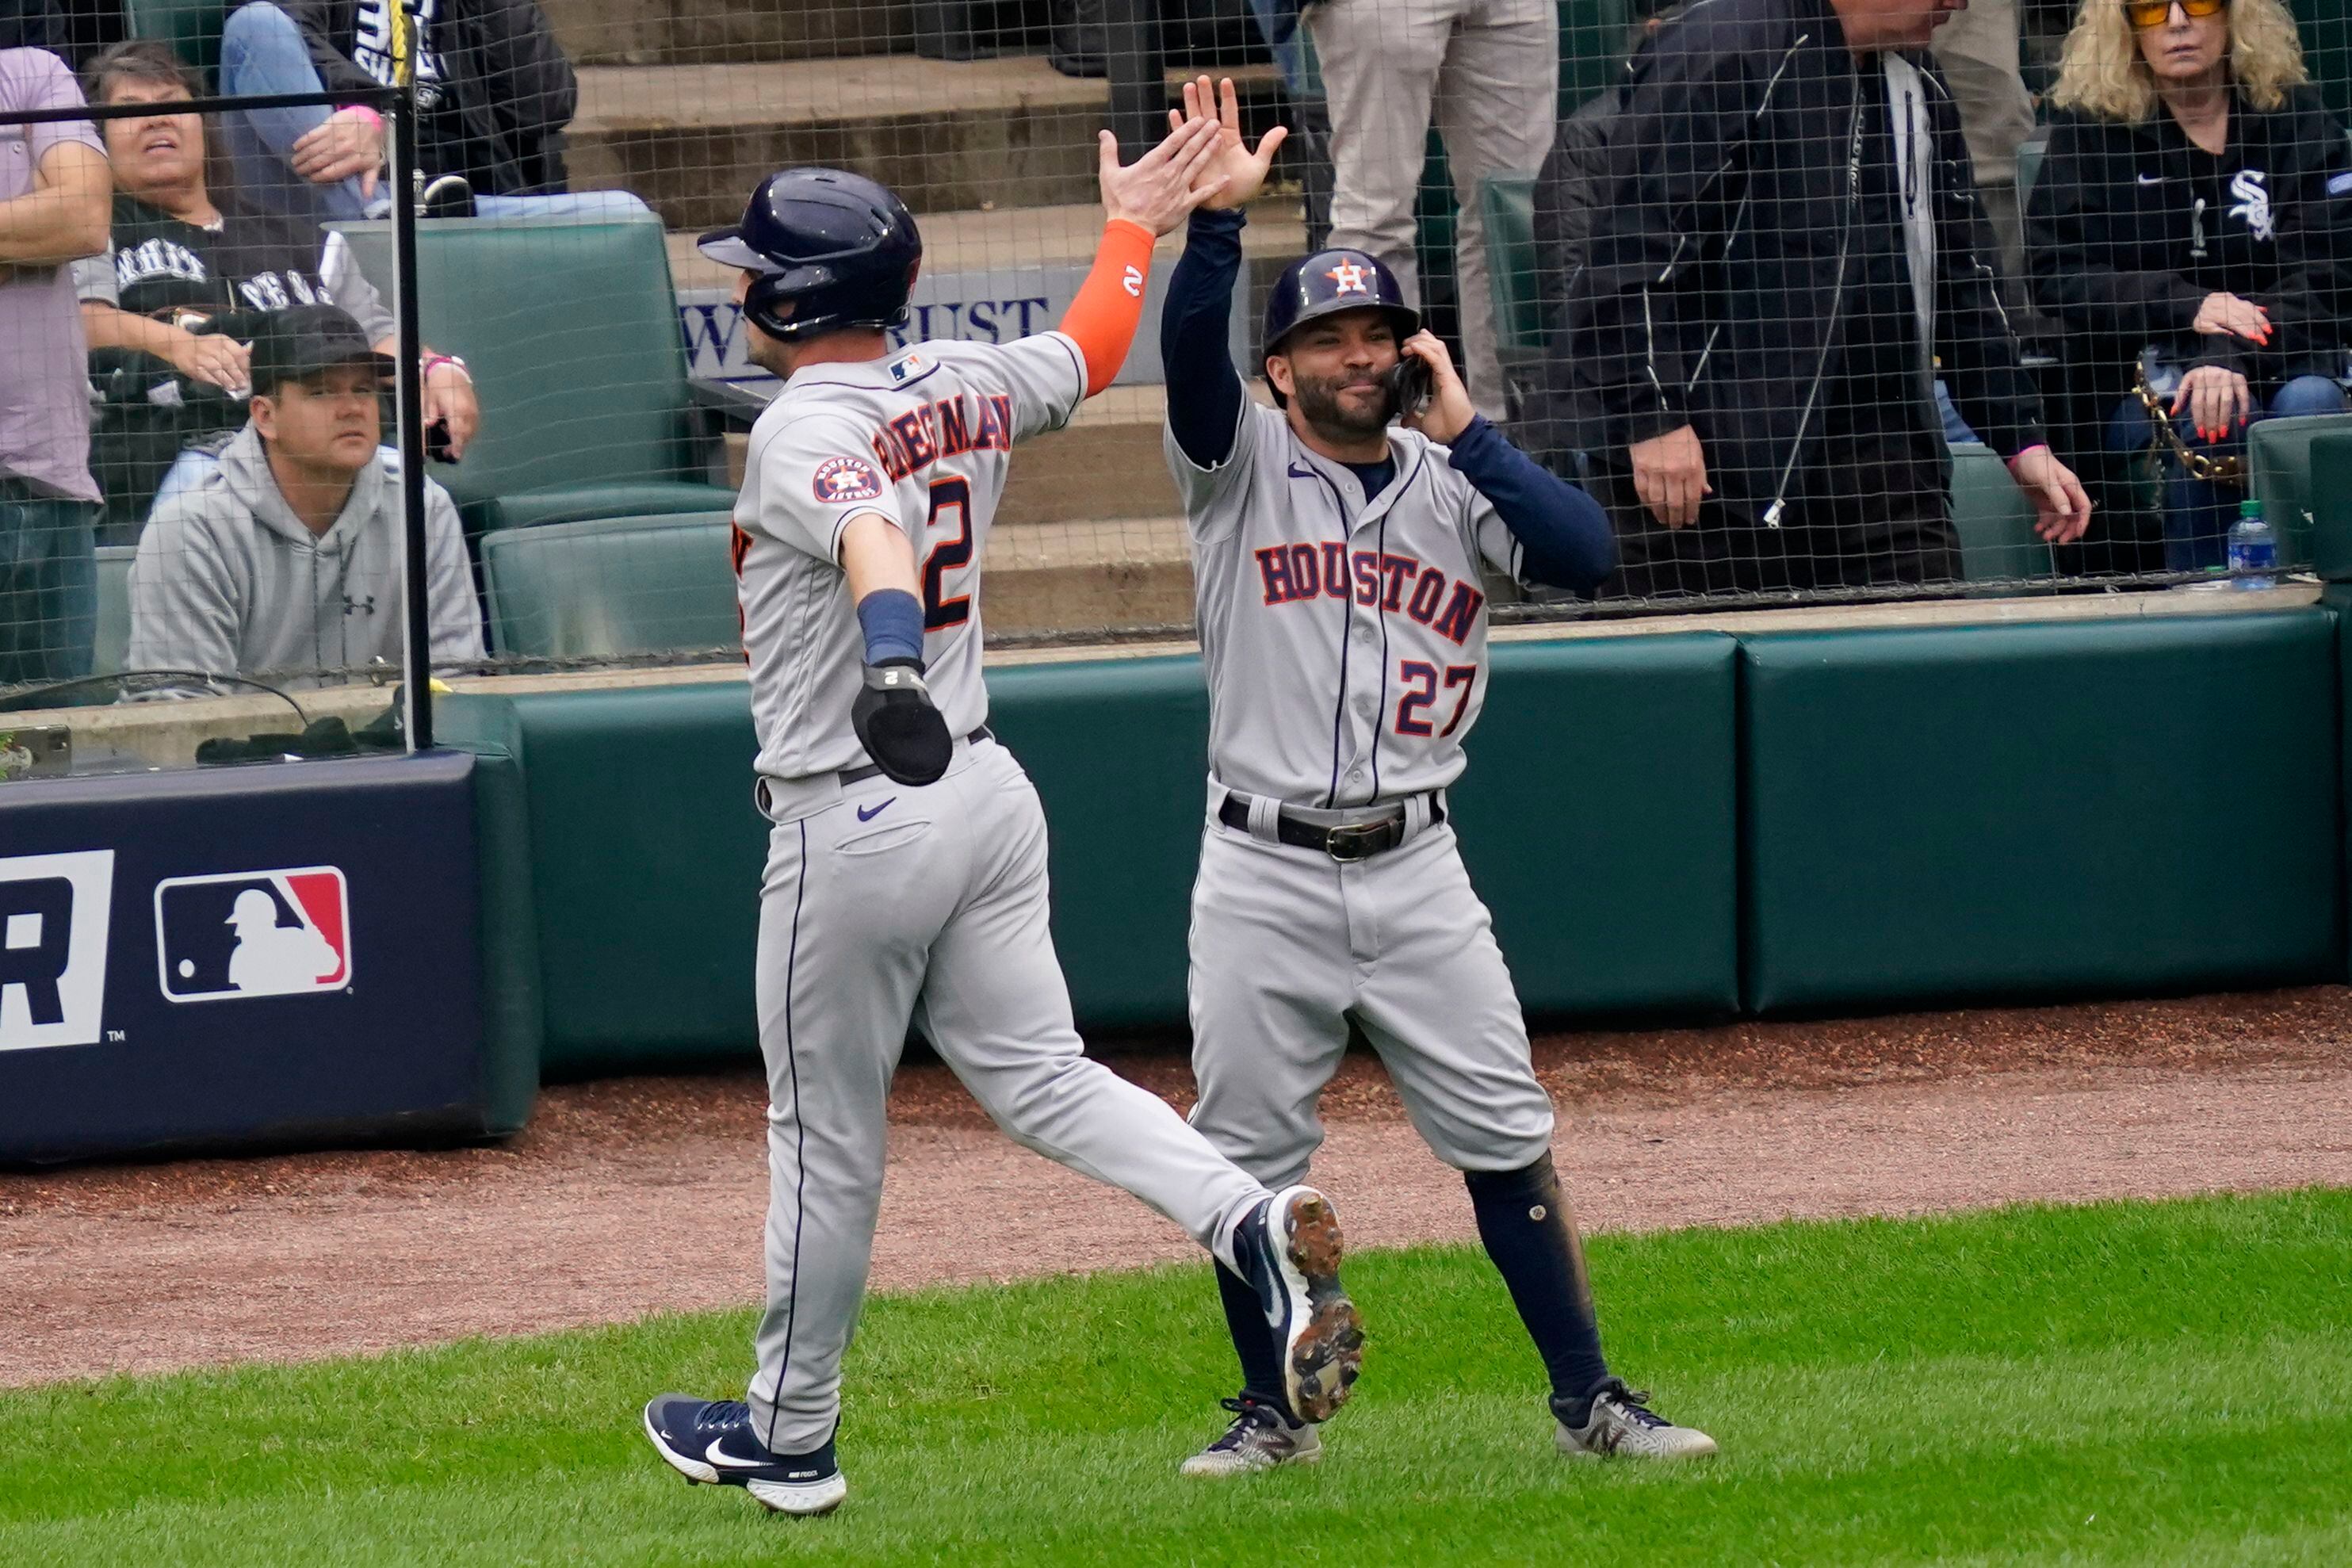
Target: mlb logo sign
<point>54,911</point>
<point>254,933</point>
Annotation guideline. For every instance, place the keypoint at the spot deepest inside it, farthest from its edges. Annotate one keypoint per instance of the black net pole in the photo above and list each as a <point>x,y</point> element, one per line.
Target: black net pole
<point>417,580</point>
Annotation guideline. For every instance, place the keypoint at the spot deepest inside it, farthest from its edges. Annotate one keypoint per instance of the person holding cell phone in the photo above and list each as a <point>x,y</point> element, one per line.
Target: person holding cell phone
<point>2190,227</point>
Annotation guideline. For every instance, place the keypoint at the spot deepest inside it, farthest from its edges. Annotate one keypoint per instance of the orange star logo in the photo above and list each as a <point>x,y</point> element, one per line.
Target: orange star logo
<point>1350,278</point>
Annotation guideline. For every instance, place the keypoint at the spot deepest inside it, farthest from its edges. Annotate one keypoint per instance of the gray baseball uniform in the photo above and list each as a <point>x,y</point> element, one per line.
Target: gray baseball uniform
<point>1346,646</point>
<point>883,903</point>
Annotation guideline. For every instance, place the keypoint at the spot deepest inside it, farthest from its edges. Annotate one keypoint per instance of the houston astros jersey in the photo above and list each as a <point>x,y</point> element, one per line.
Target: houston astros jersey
<point>922,437</point>
<point>1346,641</point>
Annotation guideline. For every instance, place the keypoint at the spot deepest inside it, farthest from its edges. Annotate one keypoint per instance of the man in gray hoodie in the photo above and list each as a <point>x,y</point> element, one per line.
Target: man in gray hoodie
<point>286,560</point>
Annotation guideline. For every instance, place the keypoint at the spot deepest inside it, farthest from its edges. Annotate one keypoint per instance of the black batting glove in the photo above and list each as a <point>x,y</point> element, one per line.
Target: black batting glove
<point>906,737</point>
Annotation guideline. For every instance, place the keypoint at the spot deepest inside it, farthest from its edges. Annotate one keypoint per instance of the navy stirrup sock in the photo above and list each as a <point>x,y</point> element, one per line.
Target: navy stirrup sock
<point>1524,1221</point>
<point>1252,1341</point>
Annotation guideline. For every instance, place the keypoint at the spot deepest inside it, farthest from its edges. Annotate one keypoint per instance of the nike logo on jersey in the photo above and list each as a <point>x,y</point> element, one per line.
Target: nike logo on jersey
<point>719,1456</point>
<point>869,813</point>
<point>2151,179</point>
<point>1290,573</point>
<point>947,428</point>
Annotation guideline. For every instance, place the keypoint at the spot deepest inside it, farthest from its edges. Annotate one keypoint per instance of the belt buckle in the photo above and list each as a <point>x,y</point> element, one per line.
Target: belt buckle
<point>1352,842</point>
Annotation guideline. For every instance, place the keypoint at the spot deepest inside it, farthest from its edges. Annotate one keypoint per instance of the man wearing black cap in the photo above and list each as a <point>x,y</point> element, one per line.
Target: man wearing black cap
<point>287,558</point>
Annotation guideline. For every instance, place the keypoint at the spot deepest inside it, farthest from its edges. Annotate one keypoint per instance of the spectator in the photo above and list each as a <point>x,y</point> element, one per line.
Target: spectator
<point>53,203</point>
<point>2188,223</point>
<point>288,556</point>
<point>34,24</point>
<point>1978,51</point>
<point>1790,233</point>
<point>1489,69</point>
<point>186,284</point>
<point>1568,192</point>
<point>493,91</point>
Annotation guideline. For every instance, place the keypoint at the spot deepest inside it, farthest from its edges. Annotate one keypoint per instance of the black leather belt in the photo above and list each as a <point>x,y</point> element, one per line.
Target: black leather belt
<point>874,770</point>
<point>1346,844</point>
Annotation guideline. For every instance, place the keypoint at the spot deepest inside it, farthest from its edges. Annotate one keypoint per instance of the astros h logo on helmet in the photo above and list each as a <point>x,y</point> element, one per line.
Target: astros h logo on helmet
<point>1350,278</point>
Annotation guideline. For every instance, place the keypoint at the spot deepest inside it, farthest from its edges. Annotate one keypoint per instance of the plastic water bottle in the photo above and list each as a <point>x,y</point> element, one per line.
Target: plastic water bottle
<point>2253,550</point>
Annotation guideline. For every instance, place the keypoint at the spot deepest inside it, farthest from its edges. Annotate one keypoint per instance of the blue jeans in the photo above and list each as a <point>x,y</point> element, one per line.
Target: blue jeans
<point>262,52</point>
<point>2198,512</point>
<point>1285,31</point>
<point>49,584</point>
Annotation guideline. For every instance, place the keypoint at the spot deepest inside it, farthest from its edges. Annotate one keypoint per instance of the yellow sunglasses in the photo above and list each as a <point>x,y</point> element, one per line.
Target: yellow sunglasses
<point>2146,14</point>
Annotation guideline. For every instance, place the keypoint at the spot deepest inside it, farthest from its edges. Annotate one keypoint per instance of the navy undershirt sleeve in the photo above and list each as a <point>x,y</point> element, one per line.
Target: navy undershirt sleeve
<point>1205,391</point>
<point>1564,536</point>
<point>1374,476</point>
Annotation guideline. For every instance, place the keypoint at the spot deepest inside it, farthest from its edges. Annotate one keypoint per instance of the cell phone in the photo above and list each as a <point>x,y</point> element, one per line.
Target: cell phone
<point>436,442</point>
<point>1411,383</point>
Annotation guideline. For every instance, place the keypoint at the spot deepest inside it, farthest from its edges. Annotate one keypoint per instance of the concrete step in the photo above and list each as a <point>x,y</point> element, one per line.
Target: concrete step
<point>1005,238</point>
<point>1086,577</point>
<point>726,32</point>
<point>693,141</point>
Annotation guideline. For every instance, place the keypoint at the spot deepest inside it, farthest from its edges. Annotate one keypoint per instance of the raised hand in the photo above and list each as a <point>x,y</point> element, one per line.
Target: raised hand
<point>1244,171</point>
<point>1161,189</point>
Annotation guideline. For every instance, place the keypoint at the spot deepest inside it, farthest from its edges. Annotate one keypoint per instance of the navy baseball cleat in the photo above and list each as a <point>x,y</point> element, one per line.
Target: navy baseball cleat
<point>1288,1248</point>
<point>711,1441</point>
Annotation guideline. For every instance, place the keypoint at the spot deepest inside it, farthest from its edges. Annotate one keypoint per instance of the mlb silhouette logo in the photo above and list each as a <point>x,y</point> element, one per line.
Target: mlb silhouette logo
<point>254,933</point>
<point>54,911</point>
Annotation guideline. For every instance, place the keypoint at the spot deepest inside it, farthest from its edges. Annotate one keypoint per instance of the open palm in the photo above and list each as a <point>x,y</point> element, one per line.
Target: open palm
<point>1244,171</point>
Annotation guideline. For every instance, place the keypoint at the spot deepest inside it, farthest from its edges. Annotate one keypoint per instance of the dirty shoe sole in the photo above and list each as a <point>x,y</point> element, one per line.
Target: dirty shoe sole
<point>1324,1347</point>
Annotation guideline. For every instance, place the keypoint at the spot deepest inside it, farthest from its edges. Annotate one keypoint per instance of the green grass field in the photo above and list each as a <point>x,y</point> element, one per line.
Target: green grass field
<point>2147,1382</point>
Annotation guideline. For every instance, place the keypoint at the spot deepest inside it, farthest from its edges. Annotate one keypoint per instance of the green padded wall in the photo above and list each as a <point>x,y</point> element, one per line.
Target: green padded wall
<point>2040,811</point>
<point>1600,818</point>
<point>644,859</point>
<point>512,1009</point>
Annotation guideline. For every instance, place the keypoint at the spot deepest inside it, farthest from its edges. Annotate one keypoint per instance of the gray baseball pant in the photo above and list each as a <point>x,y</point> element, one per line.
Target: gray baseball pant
<point>932,905</point>
<point>1288,945</point>
<point>1489,72</point>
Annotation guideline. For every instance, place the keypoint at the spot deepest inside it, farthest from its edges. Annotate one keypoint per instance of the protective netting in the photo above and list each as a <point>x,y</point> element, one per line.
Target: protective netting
<point>1791,296</point>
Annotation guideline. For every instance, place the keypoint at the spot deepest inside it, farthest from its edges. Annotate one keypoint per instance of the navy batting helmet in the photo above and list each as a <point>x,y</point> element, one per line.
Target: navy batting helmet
<point>1328,282</point>
<point>831,250</point>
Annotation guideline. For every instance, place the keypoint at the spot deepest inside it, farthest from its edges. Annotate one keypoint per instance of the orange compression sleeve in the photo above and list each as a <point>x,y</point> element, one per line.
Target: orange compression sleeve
<point>1109,305</point>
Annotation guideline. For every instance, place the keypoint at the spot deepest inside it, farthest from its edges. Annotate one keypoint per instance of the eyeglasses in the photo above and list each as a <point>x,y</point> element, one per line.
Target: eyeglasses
<point>2146,14</point>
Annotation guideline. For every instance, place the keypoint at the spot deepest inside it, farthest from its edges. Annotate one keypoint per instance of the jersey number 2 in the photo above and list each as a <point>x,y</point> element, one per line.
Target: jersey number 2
<point>1420,681</point>
<point>941,612</point>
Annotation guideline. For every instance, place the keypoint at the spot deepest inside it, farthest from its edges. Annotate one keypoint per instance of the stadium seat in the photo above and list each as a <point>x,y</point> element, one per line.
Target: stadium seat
<point>193,29</point>
<point>570,330</point>
<point>2278,469</point>
<point>612,586</point>
<point>1994,520</point>
<point>113,608</point>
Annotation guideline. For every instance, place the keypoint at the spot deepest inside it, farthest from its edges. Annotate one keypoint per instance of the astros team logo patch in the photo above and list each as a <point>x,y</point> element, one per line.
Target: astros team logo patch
<point>1350,278</point>
<point>254,933</point>
<point>846,479</point>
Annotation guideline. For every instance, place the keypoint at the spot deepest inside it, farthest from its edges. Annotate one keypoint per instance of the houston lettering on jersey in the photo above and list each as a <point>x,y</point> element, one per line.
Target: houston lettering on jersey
<point>922,437</point>
<point>1293,572</point>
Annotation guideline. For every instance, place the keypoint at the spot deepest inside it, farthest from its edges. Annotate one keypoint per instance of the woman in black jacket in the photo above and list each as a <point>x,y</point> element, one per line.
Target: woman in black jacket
<point>2187,227</point>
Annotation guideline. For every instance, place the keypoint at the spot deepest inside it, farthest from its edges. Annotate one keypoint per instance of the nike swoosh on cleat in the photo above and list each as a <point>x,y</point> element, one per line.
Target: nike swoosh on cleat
<point>719,1457</point>
<point>865,813</point>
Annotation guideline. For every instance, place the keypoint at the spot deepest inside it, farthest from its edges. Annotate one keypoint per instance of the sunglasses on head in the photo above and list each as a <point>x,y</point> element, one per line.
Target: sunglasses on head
<point>2146,14</point>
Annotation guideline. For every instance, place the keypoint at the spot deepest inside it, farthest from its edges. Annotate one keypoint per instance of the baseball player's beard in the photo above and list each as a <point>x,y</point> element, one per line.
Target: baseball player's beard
<point>1320,406</point>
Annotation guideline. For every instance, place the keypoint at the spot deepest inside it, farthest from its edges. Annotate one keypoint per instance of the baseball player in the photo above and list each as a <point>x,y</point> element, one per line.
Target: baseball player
<point>1344,629</point>
<point>906,875</point>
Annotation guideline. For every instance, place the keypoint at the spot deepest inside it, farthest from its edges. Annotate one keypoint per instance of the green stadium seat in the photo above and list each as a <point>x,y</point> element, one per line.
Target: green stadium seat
<point>570,330</point>
<point>1994,520</point>
<point>612,586</point>
<point>193,29</point>
<point>2278,471</point>
<point>113,608</point>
